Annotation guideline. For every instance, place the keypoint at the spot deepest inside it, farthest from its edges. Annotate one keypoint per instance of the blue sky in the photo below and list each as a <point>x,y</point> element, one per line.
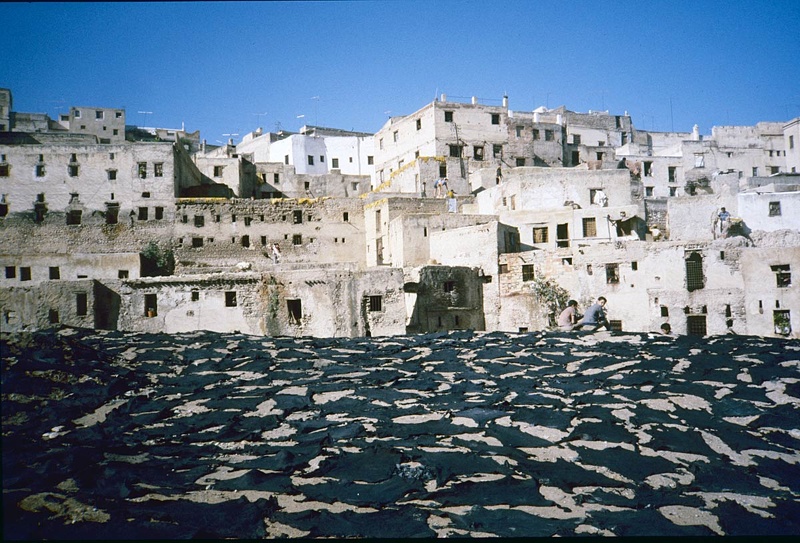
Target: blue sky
<point>220,66</point>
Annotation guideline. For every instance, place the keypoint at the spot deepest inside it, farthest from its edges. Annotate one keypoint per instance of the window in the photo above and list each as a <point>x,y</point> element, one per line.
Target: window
<point>576,139</point>
<point>11,272</point>
<point>150,305</point>
<point>142,170</point>
<point>346,216</point>
<point>145,195</point>
<point>295,308</point>
<point>74,217</point>
<point>671,174</point>
<point>599,156</point>
<point>791,142</point>
<point>286,159</point>
<point>158,169</point>
<point>503,268</point>
<point>122,274</point>
<point>783,275</point>
<point>370,160</point>
<point>455,150</point>
<point>321,158</point>
<point>310,160</point>
<point>40,170</point>
<point>334,163</point>
<point>497,151</point>
<point>218,171</point>
<point>664,311</point>
<point>696,325</point>
<point>442,170</point>
<point>615,326</point>
<point>449,286</point>
<point>782,319</point>
<point>478,152</point>
<point>142,213</point>
<point>673,191</point>
<point>24,273</point>
<point>648,191</point>
<point>52,315</point>
<point>699,161</point>
<point>245,241</point>
<point>230,298</point>
<point>195,295</point>
<point>536,134</point>
<point>634,265</point>
<point>375,303</point>
<point>774,209</point>
<point>197,242</point>
<point>448,116</point>
<point>589,227</point>
<point>518,131</point>
<point>755,171</point>
<point>495,118</point>
<point>549,135</point>
<point>562,235</point>
<point>159,213</point>
<point>297,216</point>
<point>297,239</point>
<point>98,115</point>
<point>199,221</point>
<point>395,135</point>
<point>520,161</point>
<point>55,272</point>
<point>694,272</point>
<point>81,304</point>
<point>112,175</point>
<point>527,272</point>
<point>612,274</point>
<point>73,170</point>
<point>540,234</point>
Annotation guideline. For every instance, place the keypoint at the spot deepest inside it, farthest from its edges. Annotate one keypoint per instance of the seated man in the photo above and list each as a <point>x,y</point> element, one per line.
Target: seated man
<point>569,317</point>
<point>595,317</point>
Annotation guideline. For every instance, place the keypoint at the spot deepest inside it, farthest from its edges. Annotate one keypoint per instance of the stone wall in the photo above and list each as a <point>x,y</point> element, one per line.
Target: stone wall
<point>132,175</point>
<point>305,302</point>
<point>220,232</point>
<point>442,298</point>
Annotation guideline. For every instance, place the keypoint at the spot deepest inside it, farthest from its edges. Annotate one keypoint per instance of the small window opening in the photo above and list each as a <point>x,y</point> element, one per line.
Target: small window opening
<point>230,298</point>
<point>150,305</point>
<point>81,304</point>
<point>295,308</point>
<point>375,303</point>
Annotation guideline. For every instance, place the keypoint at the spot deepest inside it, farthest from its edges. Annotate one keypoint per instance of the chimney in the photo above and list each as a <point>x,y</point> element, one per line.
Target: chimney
<point>444,97</point>
<point>505,102</point>
<point>474,100</point>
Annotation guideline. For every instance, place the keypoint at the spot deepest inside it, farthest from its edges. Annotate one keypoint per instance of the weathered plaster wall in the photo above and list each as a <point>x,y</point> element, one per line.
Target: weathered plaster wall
<point>765,294</point>
<point>549,188</point>
<point>224,232</point>
<point>691,218</point>
<point>46,304</point>
<point>444,298</point>
<point>93,182</point>
<point>759,211</point>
